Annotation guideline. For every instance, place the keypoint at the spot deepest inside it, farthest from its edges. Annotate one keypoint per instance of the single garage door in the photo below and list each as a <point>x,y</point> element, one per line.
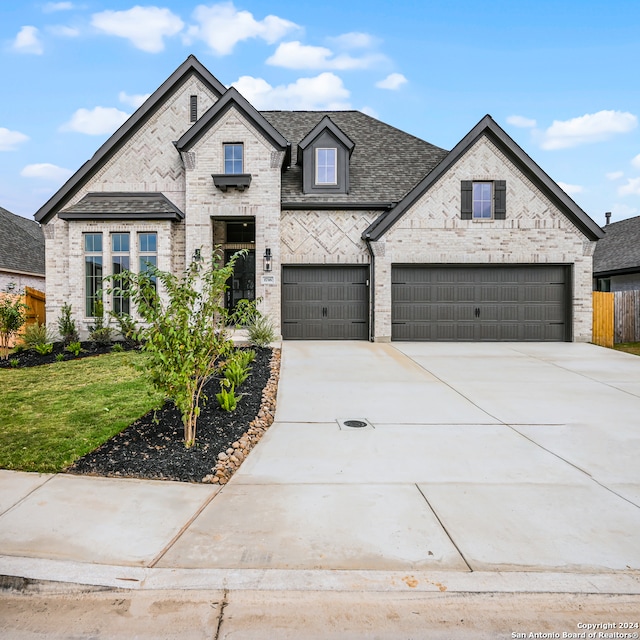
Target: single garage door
<point>474,303</point>
<point>325,302</point>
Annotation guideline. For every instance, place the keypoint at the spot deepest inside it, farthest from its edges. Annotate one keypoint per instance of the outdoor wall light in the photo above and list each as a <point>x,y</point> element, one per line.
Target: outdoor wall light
<point>197,256</point>
<point>267,259</point>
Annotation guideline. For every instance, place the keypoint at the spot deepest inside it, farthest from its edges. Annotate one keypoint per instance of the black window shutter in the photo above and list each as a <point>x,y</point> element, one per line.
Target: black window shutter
<point>194,108</point>
<point>500,200</point>
<point>466,193</point>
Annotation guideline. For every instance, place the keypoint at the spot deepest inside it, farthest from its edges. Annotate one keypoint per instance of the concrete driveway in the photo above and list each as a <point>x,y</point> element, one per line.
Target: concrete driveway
<point>478,465</point>
<point>475,457</point>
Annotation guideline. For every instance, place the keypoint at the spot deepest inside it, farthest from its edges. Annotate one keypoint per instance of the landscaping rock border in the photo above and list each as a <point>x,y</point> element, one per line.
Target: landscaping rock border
<point>229,461</point>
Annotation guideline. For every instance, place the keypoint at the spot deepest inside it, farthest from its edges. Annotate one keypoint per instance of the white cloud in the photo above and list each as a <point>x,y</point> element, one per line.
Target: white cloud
<point>96,122</point>
<point>46,171</point>
<point>9,140</point>
<point>632,188</point>
<point>145,27</point>
<point>636,161</point>
<point>325,91</point>
<point>370,112</point>
<point>570,188</point>
<point>392,82</point>
<point>614,175</point>
<point>521,121</point>
<point>592,127</point>
<point>63,31</point>
<point>222,26</point>
<point>28,41</point>
<point>623,211</point>
<point>354,40</point>
<point>133,100</point>
<point>52,7</point>
<point>295,55</point>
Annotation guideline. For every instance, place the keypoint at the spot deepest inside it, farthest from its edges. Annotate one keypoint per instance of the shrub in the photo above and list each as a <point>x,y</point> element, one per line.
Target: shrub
<point>36,334</point>
<point>128,328</point>
<point>235,372</point>
<point>227,398</point>
<point>44,349</point>
<point>117,348</point>
<point>74,347</point>
<point>14,362</point>
<point>261,332</point>
<point>12,317</point>
<point>101,334</point>
<point>59,357</point>
<point>244,356</point>
<point>67,325</point>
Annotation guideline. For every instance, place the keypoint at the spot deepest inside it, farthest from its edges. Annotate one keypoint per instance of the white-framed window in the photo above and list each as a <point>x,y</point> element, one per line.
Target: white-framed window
<point>92,271</point>
<point>326,166</point>
<point>482,203</point>
<point>120,262</point>
<point>233,158</point>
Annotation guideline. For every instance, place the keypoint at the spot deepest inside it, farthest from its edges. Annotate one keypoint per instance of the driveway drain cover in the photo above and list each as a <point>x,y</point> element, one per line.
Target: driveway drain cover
<point>357,424</point>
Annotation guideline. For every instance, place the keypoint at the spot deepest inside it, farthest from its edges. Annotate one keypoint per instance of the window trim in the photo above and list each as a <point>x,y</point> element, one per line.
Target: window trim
<point>233,160</point>
<point>327,183</point>
<point>478,201</point>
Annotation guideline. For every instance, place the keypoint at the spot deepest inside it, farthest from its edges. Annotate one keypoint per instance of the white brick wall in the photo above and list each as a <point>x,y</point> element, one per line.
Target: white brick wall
<point>533,232</point>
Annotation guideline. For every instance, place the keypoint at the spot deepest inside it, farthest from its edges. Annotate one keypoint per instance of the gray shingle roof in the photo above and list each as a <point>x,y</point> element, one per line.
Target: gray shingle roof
<point>620,247</point>
<point>386,162</point>
<point>21,244</point>
<point>122,205</point>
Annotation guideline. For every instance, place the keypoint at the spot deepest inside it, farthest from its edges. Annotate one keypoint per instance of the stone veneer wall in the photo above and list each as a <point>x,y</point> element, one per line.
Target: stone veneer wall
<point>148,162</point>
<point>533,232</point>
<point>18,281</point>
<point>261,201</point>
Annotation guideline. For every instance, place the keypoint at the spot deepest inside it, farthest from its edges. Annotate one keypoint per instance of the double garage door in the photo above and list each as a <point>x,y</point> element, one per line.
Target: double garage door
<point>476,303</point>
<point>431,303</point>
<point>325,302</point>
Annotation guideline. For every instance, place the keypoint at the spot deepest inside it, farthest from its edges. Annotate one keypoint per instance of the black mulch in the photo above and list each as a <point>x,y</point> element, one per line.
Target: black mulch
<point>31,358</point>
<point>153,446</point>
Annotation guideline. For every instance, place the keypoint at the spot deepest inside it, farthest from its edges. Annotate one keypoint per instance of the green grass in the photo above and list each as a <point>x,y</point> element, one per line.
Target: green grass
<point>629,347</point>
<point>54,414</point>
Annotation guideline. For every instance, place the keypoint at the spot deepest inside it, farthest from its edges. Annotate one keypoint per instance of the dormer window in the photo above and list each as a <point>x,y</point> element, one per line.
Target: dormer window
<point>233,158</point>
<point>326,166</point>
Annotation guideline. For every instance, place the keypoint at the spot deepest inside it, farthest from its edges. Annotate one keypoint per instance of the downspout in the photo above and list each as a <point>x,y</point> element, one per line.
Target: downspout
<point>372,295</point>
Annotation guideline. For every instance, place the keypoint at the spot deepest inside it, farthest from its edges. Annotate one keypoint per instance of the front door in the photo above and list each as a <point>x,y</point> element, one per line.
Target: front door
<point>243,284</point>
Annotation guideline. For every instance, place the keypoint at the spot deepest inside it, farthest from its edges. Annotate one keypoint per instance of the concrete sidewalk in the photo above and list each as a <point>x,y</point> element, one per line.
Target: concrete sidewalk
<point>482,468</point>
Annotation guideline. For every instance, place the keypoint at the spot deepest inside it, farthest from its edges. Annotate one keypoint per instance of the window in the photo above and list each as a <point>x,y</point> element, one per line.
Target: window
<point>233,163</point>
<point>119,263</point>
<point>326,166</point>
<point>92,271</point>
<point>482,206</point>
<point>241,232</point>
<point>148,251</point>
<point>193,108</point>
<point>483,200</point>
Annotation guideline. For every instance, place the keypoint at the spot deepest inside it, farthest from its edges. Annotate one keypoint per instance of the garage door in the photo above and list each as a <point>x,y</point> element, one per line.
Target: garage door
<point>325,302</point>
<point>474,303</point>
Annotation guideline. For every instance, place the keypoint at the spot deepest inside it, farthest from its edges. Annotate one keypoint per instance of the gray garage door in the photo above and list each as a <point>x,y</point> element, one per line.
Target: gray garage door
<point>325,303</point>
<point>474,303</point>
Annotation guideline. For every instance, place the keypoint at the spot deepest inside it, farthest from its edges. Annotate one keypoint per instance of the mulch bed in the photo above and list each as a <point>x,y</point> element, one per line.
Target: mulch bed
<point>31,358</point>
<point>153,446</point>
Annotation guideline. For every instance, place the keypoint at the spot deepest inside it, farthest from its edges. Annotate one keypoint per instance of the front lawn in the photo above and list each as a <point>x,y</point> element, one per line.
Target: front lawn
<point>629,347</point>
<point>53,414</point>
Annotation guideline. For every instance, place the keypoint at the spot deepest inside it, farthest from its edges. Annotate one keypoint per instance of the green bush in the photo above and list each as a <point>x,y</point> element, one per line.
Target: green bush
<point>12,317</point>
<point>36,334</point>
<point>74,347</point>
<point>44,349</point>
<point>261,332</point>
<point>227,398</point>
<point>235,372</point>
<point>59,357</point>
<point>100,334</point>
<point>128,328</point>
<point>244,356</point>
<point>117,348</point>
<point>67,325</point>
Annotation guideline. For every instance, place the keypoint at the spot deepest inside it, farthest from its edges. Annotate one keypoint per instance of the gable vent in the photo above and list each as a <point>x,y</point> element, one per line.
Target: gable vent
<point>193,108</point>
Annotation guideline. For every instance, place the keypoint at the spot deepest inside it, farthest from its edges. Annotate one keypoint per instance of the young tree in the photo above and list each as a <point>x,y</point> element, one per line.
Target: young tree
<point>184,331</point>
<point>12,317</point>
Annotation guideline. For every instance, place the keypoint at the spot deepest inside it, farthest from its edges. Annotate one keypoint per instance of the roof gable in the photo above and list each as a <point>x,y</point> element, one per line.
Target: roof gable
<point>22,246</point>
<point>190,66</point>
<point>326,124</point>
<point>619,250</point>
<point>488,127</point>
<point>232,98</point>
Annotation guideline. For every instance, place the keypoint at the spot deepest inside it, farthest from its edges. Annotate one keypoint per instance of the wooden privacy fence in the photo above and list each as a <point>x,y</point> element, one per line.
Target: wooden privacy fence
<point>616,317</point>
<point>603,319</point>
<point>35,301</point>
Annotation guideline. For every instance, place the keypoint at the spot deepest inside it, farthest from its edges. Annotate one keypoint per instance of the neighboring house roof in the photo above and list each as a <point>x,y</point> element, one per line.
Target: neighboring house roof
<point>109,205</point>
<point>22,246</point>
<point>488,127</point>
<point>619,251</point>
<point>124,133</point>
<point>385,164</point>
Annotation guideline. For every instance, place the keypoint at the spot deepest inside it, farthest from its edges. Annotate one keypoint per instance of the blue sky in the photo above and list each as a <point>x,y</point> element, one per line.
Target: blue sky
<point>560,76</point>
